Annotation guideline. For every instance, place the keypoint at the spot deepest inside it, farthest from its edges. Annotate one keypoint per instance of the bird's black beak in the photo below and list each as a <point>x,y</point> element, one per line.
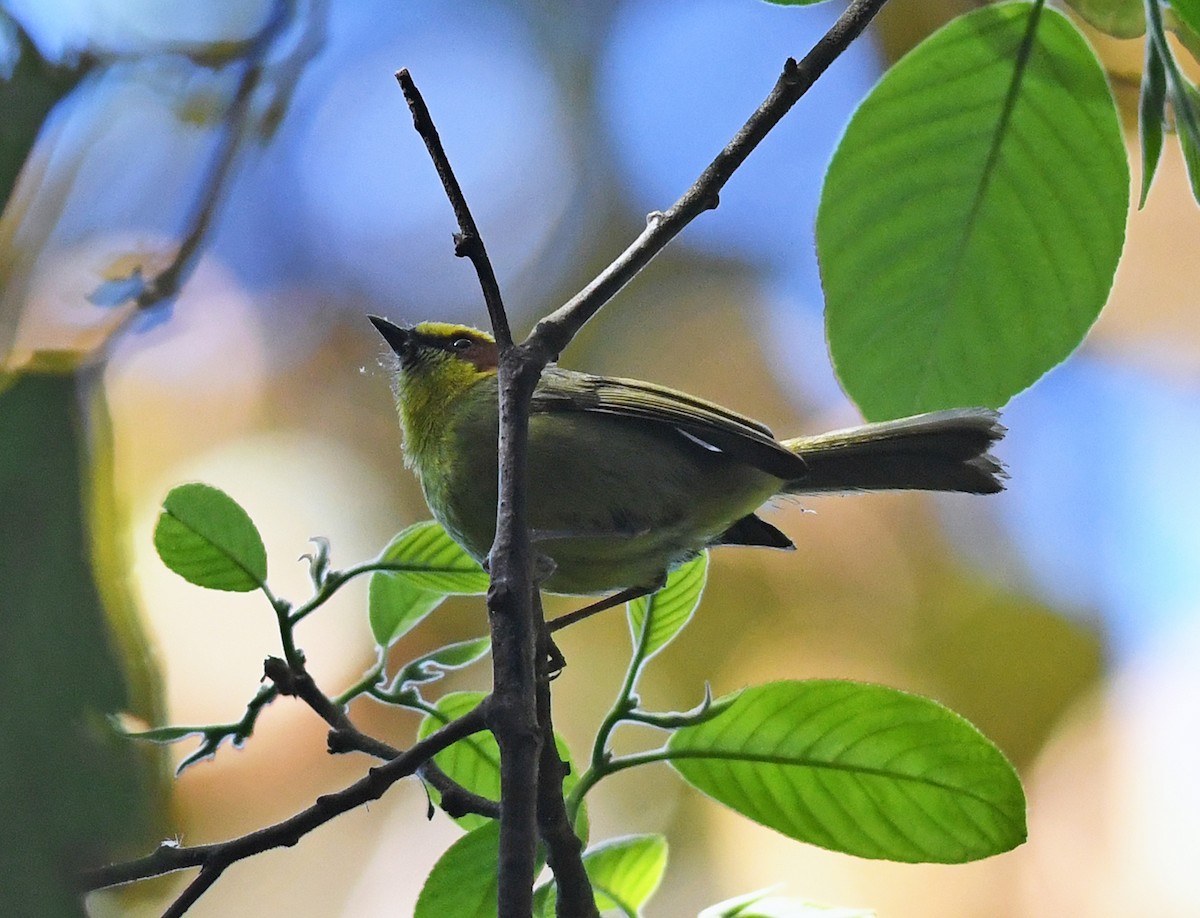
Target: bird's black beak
<point>400,339</point>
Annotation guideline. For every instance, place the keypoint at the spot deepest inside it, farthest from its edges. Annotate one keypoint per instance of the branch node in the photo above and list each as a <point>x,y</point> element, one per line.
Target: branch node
<point>281,674</point>
<point>339,741</point>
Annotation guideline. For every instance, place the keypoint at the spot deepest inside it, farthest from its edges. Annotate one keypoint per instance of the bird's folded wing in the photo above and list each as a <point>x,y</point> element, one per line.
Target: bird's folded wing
<point>712,426</point>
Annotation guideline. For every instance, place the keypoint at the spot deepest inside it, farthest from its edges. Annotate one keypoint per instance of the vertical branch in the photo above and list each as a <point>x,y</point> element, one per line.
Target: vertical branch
<point>513,615</point>
<point>514,718</point>
<point>564,848</point>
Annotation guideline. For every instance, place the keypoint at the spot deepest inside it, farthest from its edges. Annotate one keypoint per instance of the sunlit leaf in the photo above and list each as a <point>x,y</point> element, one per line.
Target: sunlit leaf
<point>434,561</point>
<point>664,614</point>
<point>624,873</point>
<point>861,769</point>
<point>973,215</point>
<point>205,537</point>
<point>431,565</point>
<point>463,882</point>
<point>1119,18</point>
<point>396,605</point>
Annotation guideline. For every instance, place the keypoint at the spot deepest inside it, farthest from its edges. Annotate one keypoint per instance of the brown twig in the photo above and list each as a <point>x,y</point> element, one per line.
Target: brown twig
<point>564,850</point>
<point>467,242</point>
<point>344,736</point>
<point>554,332</point>
<point>213,859</point>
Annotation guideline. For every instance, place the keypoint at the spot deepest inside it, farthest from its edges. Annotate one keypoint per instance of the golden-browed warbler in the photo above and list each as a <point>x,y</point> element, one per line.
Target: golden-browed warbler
<point>627,479</point>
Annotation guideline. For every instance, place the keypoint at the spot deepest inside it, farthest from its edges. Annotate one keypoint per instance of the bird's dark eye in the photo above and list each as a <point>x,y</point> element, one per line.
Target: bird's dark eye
<point>461,344</point>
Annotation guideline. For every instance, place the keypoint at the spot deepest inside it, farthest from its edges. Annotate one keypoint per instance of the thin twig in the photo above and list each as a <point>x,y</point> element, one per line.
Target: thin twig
<point>467,242</point>
<point>345,736</point>
<point>554,332</point>
<point>214,858</point>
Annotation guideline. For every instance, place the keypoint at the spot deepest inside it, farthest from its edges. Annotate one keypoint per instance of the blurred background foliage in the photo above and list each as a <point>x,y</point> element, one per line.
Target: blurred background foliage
<point>247,170</point>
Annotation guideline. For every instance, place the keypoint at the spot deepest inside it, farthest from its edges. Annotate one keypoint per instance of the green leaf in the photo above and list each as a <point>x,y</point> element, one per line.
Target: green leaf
<point>432,665</point>
<point>205,537</point>
<point>655,620</point>
<point>1119,18</point>
<point>474,762</point>
<point>1188,37</point>
<point>433,566</point>
<point>395,605</point>
<point>1151,105</point>
<point>861,769</point>
<point>1187,128</point>
<point>973,215</point>
<point>1188,12</point>
<point>432,560</point>
<point>624,872</point>
<point>463,882</point>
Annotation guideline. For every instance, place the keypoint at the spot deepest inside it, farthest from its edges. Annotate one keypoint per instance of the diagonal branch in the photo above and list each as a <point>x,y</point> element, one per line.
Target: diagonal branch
<point>213,859</point>
<point>467,242</point>
<point>344,736</point>
<point>554,332</point>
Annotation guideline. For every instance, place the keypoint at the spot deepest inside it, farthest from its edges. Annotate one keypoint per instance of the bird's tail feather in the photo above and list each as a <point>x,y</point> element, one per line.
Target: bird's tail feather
<point>939,451</point>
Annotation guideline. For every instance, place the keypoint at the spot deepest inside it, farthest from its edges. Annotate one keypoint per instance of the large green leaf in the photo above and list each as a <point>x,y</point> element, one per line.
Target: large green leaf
<point>206,537</point>
<point>862,769</point>
<point>624,873</point>
<point>973,215</point>
<point>463,882</point>
<point>1189,12</point>
<point>655,620</point>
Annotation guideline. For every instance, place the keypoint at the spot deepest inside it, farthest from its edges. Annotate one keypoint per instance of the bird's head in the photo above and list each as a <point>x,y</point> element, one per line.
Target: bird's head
<point>439,349</point>
<point>436,365</point>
